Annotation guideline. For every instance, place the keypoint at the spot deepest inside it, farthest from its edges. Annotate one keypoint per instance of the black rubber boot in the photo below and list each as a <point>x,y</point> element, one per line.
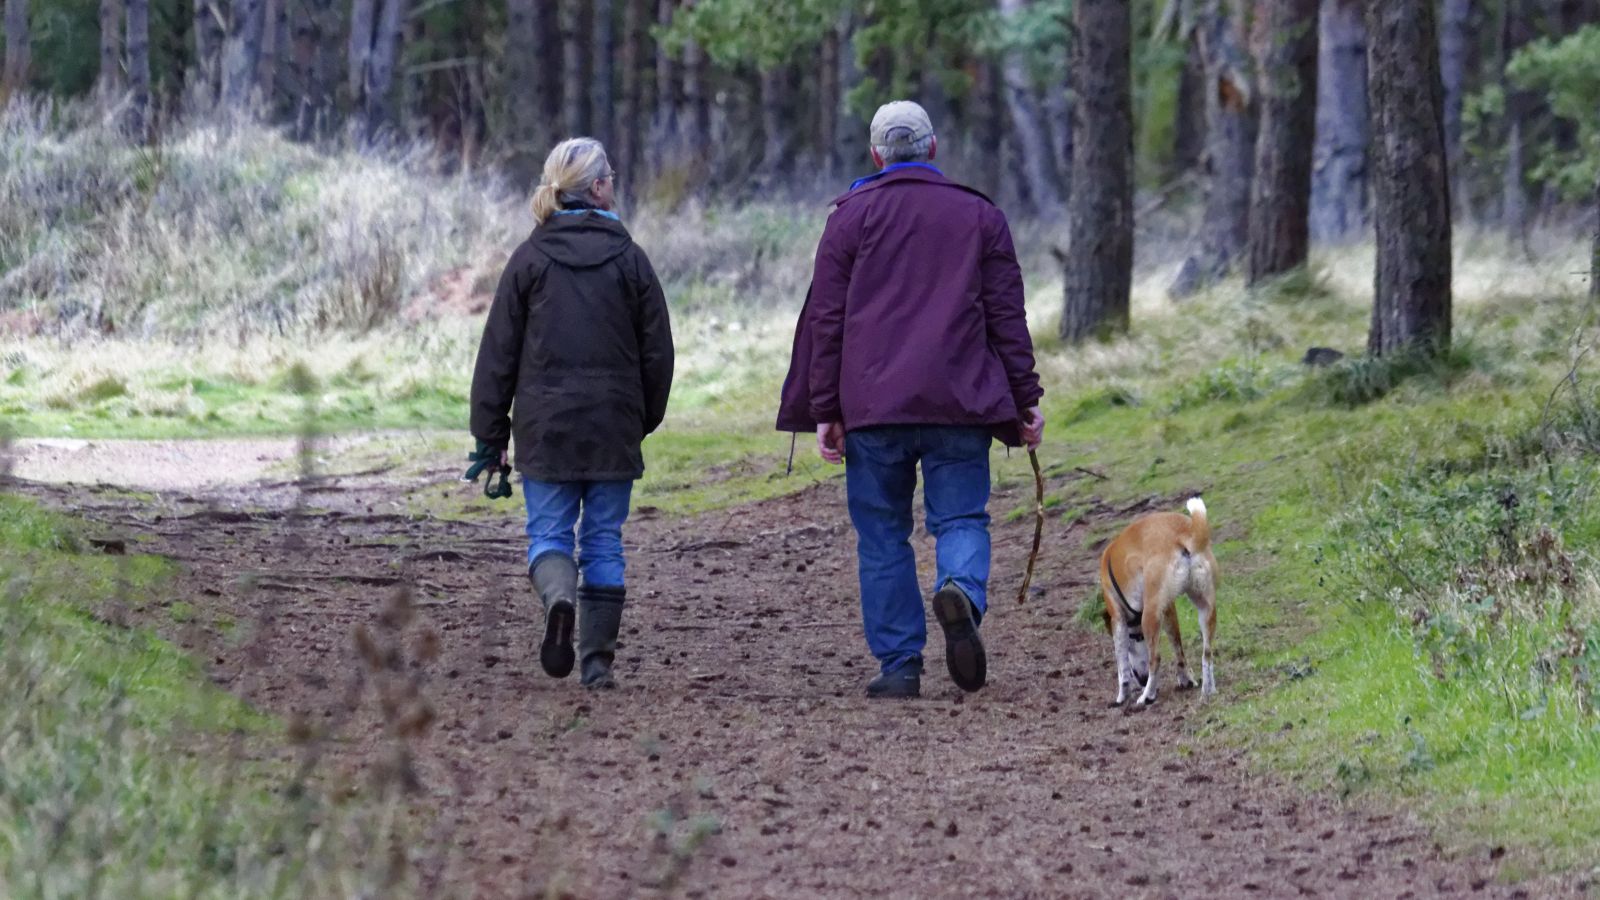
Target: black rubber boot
<point>555,577</point>
<point>963,649</point>
<point>599,620</point>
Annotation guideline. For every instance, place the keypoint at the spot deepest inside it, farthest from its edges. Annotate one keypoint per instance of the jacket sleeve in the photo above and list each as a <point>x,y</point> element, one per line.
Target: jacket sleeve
<point>494,379</point>
<point>1007,316</point>
<point>830,282</point>
<point>653,327</point>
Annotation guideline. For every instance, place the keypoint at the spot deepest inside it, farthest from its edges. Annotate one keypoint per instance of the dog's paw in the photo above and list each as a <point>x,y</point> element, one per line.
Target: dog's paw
<point>1185,683</point>
<point>1144,703</point>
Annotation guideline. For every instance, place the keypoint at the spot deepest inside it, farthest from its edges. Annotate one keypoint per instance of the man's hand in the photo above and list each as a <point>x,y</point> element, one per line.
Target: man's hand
<point>830,442</point>
<point>1033,428</point>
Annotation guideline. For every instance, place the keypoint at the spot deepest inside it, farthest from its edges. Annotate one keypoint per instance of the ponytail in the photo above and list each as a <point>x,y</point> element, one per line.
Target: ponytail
<point>570,171</point>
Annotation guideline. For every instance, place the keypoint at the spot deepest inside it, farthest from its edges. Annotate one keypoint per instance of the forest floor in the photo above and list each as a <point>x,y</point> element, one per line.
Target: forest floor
<point>739,757</point>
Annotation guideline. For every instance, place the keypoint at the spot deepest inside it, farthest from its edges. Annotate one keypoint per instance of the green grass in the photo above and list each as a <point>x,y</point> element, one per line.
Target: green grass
<point>1323,678</point>
<point>115,780</point>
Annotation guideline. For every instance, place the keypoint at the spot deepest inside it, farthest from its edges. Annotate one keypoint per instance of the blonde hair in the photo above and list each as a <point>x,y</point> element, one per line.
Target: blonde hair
<point>570,171</point>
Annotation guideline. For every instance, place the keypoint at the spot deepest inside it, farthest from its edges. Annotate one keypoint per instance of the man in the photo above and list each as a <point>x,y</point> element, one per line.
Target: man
<point>913,347</point>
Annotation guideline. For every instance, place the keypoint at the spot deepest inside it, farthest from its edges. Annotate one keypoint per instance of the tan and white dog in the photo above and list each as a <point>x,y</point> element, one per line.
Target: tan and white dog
<point>1142,572</point>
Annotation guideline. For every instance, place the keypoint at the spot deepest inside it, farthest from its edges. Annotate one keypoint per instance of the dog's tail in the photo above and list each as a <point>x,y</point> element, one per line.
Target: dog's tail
<point>1200,526</point>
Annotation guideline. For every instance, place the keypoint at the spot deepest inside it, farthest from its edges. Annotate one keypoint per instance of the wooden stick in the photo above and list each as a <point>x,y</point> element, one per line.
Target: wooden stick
<point>1038,526</point>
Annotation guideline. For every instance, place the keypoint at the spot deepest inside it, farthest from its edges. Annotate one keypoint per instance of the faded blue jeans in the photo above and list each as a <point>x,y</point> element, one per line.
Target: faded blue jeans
<point>880,480</point>
<point>553,510</point>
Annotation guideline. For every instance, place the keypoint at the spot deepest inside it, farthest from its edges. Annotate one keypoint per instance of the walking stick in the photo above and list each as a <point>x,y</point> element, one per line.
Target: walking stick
<point>1038,526</point>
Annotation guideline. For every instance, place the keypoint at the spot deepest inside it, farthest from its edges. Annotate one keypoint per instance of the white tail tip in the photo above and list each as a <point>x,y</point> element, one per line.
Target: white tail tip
<point>1195,506</point>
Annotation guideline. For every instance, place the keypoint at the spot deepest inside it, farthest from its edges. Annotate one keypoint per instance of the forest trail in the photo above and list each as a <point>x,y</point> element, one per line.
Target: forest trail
<point>739,757</point>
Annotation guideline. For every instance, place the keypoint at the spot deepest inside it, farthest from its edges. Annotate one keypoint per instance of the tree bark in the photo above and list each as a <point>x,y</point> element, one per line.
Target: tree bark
<point>1339,176</point>
<point>664,128</point>
<point>273,35</point>
<point>602,101</point>
<point>525,87</point>
<point>827,101</point>
<point>363,13</point>
<point>696,102</point>
<point>1516,32</point>
<point>1189,133</point>
<point>635,14</point>
<point>1099,265</point>
<point>774,116</point>
<point>19,49</point>
<point>315,65</point>
<point>109,84</point>
<point>850,132</point>
<point>1594,251</point>
<point>209,31</point>
<point>1411,189</point>
<point>1280,202</point>
<point>242,52</point>
<point>385,56</point>
<point>1230,147</point>
<point>1028,128</point>
<point>1456,53</point>
<point>374,51</point>
<point>138,42</point>
<point>575,52</point>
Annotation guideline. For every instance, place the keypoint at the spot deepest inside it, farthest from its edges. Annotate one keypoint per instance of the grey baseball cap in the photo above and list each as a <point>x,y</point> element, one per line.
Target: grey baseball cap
<point>900,122</point>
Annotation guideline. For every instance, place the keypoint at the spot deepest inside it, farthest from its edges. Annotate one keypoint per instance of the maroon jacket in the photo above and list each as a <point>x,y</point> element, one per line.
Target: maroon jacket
<point>915,314</point>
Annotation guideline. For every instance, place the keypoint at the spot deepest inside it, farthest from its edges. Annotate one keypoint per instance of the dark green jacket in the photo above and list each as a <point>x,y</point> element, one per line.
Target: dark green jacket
<point>579,342</point>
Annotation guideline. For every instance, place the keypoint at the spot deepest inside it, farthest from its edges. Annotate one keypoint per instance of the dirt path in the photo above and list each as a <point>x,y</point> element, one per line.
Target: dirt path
<point>739,758</point>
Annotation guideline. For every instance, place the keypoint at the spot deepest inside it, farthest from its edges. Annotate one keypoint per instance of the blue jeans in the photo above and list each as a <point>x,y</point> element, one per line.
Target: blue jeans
<point>553,508</point>
<point>880,479</point>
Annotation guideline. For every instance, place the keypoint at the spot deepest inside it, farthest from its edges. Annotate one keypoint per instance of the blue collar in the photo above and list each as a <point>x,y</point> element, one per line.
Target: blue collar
<point>578,212</point>
<point>887,169</point>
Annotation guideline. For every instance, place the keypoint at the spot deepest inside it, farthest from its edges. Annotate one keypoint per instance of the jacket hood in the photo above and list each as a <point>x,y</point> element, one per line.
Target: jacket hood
<point>581,240</point>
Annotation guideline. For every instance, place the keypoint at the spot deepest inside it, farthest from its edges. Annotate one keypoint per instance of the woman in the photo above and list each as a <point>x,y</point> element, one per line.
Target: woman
<point>578,338</point>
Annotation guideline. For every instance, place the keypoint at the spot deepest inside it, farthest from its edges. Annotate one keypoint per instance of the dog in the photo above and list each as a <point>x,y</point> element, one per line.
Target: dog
<point>1142,572</point>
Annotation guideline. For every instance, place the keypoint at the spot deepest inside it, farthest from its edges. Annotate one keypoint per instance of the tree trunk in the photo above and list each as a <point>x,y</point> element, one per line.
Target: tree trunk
<point>1594,252</point>
<point>827,101</point>
<point>525,87</point>
<point>1189,132</point>
<point>1099,266</point>
<point>774,116</point>
<point>274,32</point>
<point>1230,148</point>
<point>209,32</point>
<point>1411,189</point>
<point>374,51</point>
<point>1456,53</point>
<point>1516,32</point>
<point>315,64</point>
<point>630,113</point>
<point>242,52</point>
<point>602,101</point>
<point>19,52</point>
<point>664,128</point>
<point>109,84</point>
<point>363,13</point>
<point>696,102</point>
<point>1027,127</point>
<point>1339,178</point>
<point>385,56</point>
<point>575,52</point>
<point>1280,202</point>
<point>850,132</point>
<point>138,43</point>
